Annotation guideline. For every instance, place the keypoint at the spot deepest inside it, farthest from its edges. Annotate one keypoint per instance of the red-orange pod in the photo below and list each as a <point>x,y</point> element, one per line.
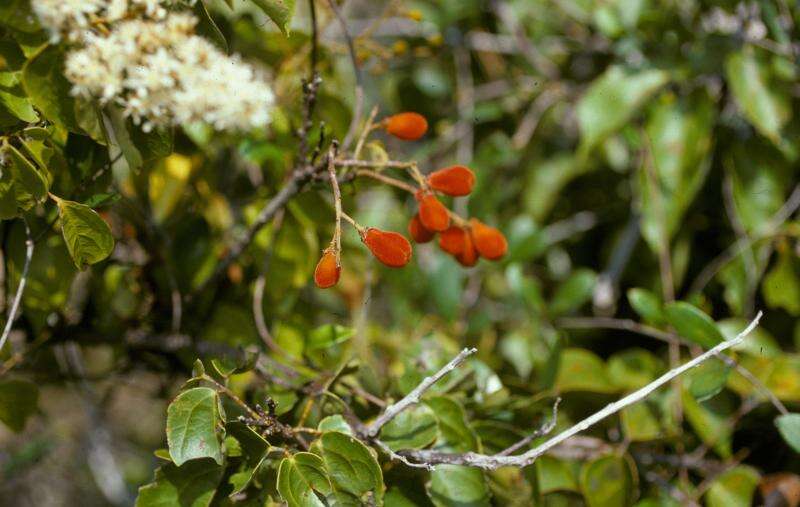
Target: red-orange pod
<point>469,255</point>
<point>432,213</point>
<point>407,126</point>
<point>418,232</point>
<point>391,248</point>
<point>455,180</point>
<point>328,270</point>
<point>452,240</point>
<point>489,242</point>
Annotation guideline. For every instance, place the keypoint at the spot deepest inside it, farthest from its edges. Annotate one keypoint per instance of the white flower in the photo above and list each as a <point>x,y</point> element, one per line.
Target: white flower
<point>160,73</point>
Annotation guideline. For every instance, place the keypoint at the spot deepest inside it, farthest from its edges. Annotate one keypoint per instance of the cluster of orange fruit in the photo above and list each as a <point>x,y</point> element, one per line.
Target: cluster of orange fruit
<point>465,240</point>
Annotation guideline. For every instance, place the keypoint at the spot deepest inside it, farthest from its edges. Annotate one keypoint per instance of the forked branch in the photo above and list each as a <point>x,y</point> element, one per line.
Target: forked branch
<point>494,461</point>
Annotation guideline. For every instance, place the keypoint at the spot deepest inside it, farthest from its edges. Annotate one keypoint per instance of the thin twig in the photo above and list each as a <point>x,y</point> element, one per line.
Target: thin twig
<point>260,285</point>
<point>12,313</point>
<point>492,462</point>
<point>386,179</point>
<point>544,430</point>
<point>359,104</point>
<point>414,396</point>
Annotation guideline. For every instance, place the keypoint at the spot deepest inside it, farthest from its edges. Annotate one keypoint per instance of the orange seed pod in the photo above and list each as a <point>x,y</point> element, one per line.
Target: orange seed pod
<point>489,242</point>
<point>391,248</point>
<point>418,231</point>
<point>454,180</point>
<point>328,270</point>
<point>452,240</point>
<point>407,126</point>
<point>469,255</point>
<point>432,213</point>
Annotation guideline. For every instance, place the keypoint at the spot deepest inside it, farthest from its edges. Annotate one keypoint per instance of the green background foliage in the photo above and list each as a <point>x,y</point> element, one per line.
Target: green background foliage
<point>641,157</point>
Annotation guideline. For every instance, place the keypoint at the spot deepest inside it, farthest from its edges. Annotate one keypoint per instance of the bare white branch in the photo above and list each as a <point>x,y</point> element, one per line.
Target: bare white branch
<point>12,313</point>
<point>491,462</point>
<point>414,396</point>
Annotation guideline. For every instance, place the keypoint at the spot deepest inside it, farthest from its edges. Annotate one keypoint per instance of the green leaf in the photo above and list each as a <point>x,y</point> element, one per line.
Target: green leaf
<point>413,428</point>
<point>192,422</point>
<point>781,286</point>
<point>88,236</point>
<point>633,368</point>
<point>582,370</point>
<point>708,379</point>
<point>298,478</point>
<point>458,486</point>
<point>694,325</point>
<point>573,292</point>
<point>789,428</point>
<point>324,345</point>
<point>711,426</point>
<point>139,148</point>
<point>612,100</point>
<point>335,423</point>
<point>554,475</point>
<point>48,89</point>
<point>679,135</point>
<point>765,105</point>
<point>8,196</point>
<point>606,482</point>
<point>640,423</point>
<point>648,305</point>
<point>191,485</point>
<point>13,98</point>
<point>350,464</point>
<point>253,444</point>
<point>279,11</point>
<point>30,185</point>
<point>18,401</point>
<point>734,488</point>
<point>207,27</point>
<point>454,433</point>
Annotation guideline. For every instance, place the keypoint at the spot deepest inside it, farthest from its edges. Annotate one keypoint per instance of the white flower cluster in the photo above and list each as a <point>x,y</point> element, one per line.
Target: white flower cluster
<point>74,19</point>
<point>150,63</point>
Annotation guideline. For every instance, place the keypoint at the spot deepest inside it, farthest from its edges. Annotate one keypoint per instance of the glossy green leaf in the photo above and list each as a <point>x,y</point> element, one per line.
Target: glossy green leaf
<point>191,485</point>
<point>279,11</point>
<point>694,325</point>
<point>299,477</point>
<point>413,428</point>
<point>733,488</point>
<point>458,486</point>
<point>789,428</point>
<point>18,401</point>
<point>612,100</point>
<point>351,466</point>
<point>193,419</point>
<point>87,236</point>
<point>335,423</point>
